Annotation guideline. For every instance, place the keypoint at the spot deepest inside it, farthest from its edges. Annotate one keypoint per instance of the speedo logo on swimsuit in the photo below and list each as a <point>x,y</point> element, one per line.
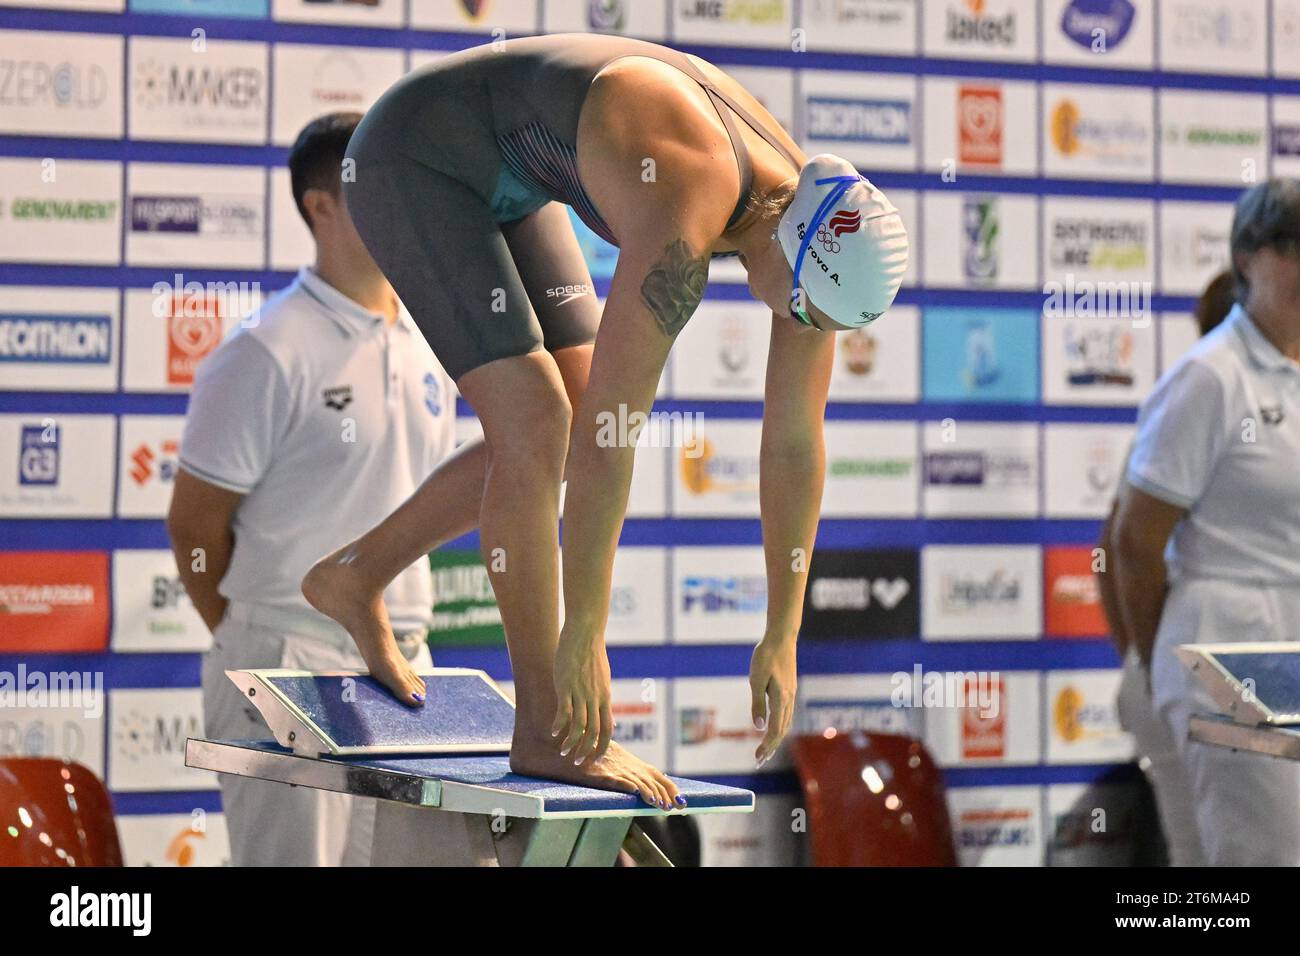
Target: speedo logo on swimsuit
<point>564,294</point>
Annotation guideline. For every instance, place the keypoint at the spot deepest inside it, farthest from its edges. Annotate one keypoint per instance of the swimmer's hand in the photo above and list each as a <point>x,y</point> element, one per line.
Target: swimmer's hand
<point>772,680</point>
<point>584,719</point>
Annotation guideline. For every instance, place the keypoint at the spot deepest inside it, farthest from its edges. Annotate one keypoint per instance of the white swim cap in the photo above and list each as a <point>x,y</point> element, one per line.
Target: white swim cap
<point>845,242</point>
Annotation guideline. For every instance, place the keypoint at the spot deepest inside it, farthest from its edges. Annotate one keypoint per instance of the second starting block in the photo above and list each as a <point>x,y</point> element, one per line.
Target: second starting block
<point>344,732</point>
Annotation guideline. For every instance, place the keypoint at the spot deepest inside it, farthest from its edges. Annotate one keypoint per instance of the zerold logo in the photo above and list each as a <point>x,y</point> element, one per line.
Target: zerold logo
<point>338,398</point>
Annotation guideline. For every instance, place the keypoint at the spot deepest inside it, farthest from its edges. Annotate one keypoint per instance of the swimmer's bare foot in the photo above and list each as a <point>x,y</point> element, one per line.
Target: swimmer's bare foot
<point>617,770</point>
<point>336,589</point>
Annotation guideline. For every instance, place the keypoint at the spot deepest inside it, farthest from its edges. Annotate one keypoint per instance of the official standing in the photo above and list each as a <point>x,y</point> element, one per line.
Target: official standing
<point>1208,523</point>
<point>305,428</point>
<point>1157,752</point>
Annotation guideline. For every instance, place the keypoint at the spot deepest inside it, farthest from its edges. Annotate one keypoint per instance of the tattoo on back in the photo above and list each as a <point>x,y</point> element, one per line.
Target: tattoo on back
<point>674,287</point>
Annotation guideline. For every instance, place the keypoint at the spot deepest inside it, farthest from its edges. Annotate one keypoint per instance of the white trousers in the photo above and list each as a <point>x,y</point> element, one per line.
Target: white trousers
<point>1158,756</point>
<point>274,824</point>
<point>1247,805</point>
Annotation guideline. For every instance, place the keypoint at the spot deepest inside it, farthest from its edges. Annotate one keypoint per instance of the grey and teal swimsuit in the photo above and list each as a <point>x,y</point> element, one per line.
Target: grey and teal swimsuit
<point>455,168</point>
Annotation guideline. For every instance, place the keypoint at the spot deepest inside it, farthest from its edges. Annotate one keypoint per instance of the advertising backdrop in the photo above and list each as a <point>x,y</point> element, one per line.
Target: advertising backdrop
<point>1039,150</point>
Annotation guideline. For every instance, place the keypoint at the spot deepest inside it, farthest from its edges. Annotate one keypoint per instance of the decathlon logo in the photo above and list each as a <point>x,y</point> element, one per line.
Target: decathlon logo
<point>74,908</point>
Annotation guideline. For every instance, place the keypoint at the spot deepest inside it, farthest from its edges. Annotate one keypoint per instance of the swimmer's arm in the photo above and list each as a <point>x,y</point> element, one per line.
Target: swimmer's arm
<point>792,471</point>
<point>1143,527</point>
<point>651,297</point>
<point>655,289</point>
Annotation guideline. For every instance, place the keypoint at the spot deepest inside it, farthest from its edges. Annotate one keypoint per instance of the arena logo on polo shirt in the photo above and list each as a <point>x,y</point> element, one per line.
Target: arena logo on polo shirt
<point>53,601</point>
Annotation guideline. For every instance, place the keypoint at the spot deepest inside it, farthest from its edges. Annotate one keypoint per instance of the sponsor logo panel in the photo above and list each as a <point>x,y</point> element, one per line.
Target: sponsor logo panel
<point>712,731</point>
<point>371,13</point>
<point>719,595</point>
<point>150,459</point>
<point>639,18</point>
<point>1098,134</point>
<point>1083,719</point>
<point>1097,361</point>
<point>861,26</point>
<point>996,723</point>
<point>862,594</point>
<point>722,351</point>
<point>174,839</point>
<point>311,81</point>
<point>60,211</point>
<point>217,94</point>
<point>60,84</point>
<point>981,355</point>
<point>637,598</point>
<point>733,22</point>
<point>716,474</point>
<point>979,470</point>
<point>981,29</point>
<point>997,826</point>
<point>1098,240</point>
<point>56,466</point>
<point>1084,465</point>
<point>1072,596</point>
<point>1100,33</point>
<point>147,742</point>
<point>978,241</point>
<point>880,362</point>
<point>201,216</point>
<point>53,602</point>
<point>1217,138</point>
<point>151,611</point>
<point>869,119</point>
<point>59,339</point>
<point>871,470</point>
<point>979,592</point>
<point>1214,36</point>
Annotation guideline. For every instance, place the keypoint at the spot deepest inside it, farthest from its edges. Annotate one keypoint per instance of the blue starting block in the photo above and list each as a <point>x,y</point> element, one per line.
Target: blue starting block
<point>344,732</point>
<point>1257,688</point>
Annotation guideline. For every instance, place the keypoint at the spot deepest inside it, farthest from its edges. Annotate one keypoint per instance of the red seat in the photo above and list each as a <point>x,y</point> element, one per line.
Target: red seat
<point>54,813</point>
<point>873,800</point>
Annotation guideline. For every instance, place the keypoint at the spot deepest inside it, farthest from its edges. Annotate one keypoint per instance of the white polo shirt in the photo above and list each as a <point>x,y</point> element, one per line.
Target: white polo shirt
<point>326,418</point>
<point>1220,436</point>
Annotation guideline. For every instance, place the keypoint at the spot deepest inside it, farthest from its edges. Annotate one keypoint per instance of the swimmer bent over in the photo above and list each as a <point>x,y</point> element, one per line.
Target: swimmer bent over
<point>461,173</point>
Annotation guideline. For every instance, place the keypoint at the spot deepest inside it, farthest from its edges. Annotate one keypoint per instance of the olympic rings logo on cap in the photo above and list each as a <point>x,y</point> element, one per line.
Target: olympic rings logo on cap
<point>827,240</point>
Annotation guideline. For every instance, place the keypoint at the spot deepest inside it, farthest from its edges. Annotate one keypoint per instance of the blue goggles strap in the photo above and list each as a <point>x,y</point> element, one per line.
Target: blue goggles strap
<point>844,183</point>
